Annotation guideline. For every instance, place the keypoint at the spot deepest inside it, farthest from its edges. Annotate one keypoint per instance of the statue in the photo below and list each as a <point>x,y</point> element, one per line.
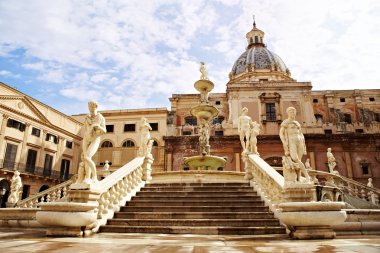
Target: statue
<point>16,185</point>
<point>255,130</point>
<point>293,142</point>
<point>106,165</point>
<point>204,137</point>
<point>307,164</point>
<point>330,160</point>
<point>94,127</point>
<point>248,131</point>
<point>203,70</point>
<point>144,136</point>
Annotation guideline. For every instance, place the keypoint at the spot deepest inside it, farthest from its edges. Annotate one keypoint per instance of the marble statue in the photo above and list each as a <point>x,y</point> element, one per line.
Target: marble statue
<point>144,136</point>
<point>203,70</point>
<point>331,160</point>
<point>16,185</point>
<point>255,131</point>
<point>294,145</point>
<point>94,126</point>
<point>106,165</point>
<point>370,184</point>
<point>244,128</point>
<point>204,137</point>
<point>307,164</point>
<point>371,194</point>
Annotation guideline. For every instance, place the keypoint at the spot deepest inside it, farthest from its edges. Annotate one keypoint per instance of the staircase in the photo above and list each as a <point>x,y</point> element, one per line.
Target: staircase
<point>195,208</point>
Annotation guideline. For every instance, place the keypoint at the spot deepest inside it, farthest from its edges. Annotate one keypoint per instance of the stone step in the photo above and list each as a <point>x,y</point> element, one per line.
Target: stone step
<point>197,184</point>
<point>194,215</point>
<point>207,208</point>
<point>194,230</point>
<point>215,204</point>
<point>201,188</point>
<point>196,194</point>
<point>197,198</point>
<point>196,222</point>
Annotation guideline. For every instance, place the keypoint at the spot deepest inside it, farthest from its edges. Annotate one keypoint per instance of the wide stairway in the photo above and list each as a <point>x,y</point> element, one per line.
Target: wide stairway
<point>195,208</point>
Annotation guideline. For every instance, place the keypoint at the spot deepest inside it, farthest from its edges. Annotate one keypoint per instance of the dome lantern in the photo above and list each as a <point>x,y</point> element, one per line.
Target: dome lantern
<point>255,37</point>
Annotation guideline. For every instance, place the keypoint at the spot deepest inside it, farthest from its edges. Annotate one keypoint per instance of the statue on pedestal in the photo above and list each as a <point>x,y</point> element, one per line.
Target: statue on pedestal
<point>203,70</point>
<point>16,185</point>
<point>144,136</point>
<point>248,131</point>
<point>94,127</point>
<point>331,160</point>
<point>294,145</point>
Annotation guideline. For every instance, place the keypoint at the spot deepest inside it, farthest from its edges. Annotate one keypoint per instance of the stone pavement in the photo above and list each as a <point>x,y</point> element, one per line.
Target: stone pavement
<point>36,241</point>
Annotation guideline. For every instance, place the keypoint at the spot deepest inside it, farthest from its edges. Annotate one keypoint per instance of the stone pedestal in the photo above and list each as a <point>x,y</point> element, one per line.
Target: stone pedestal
<point>312,220</point>
<point>299,192</point>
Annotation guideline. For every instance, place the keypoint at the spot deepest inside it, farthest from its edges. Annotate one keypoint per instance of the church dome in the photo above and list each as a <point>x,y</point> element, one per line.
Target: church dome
<point>257,59</point>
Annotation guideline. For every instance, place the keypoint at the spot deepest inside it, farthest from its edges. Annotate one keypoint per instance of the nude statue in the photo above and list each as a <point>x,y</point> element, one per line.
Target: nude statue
<point>293,141</point>
<point>16,185</point>
<point>144,136</point>
<point>204,137</point>
<point>244,128</point>
<point>255,131</point>
<point>94,127</point>
<point>330,160</point>
<point>203,70</point>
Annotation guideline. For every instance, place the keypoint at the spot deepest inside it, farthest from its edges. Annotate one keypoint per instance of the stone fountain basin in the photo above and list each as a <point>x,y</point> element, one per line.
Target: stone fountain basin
<point>206,112</point>
<point>203,85</point>
<point>68,214</point>
<point>207,162</point>
<point>312,213</point>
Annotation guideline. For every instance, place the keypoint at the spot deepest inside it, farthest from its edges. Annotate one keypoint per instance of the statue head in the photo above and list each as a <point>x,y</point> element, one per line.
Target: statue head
<point>92,106</point>
<point>244,110</point>
<point>291,111</point>
<point>328,149</point>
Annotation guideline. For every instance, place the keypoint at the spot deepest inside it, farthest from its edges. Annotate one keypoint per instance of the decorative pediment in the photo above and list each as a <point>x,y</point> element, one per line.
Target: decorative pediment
<point>22,105</point>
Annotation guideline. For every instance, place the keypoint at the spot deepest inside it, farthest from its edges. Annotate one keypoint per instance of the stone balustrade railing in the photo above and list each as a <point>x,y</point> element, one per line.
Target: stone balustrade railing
<point>267,181</point>
<point>52,194</point>
<point>119,187</point>
<point>336,186</point>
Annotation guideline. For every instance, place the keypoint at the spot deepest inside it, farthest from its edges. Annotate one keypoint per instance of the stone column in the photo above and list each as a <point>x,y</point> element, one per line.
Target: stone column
<point>237,158</point>
<point>24,149</point>
<point>2,131</point>
<point>312,160</point>
<point>169,163</point>
<point>41,155</point>
<point>347,158</point>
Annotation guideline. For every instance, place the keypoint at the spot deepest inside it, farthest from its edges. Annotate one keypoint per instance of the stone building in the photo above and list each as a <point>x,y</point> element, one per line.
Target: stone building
<point>348,121</point>
<point>40,142</point>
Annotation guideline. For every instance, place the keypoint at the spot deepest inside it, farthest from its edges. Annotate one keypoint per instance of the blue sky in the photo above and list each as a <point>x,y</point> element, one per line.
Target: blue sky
<point>135,54</point>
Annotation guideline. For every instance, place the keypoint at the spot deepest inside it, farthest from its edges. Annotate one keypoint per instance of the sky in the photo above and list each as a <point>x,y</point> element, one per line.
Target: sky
<point>135,54</point>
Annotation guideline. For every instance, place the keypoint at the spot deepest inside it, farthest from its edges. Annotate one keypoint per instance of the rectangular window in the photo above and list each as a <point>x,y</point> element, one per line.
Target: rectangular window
<point>186,133</point>
<point>342,100</point>
<point>16,124</point>
<point>69,144</point>
<point>10,156</point>
<point>109,128</point>
<point>25,191</point>
<point>36,132</point>
<point>377,117</point>
<point>347,118</point>
<point>217,102</point>
<point>359,131</point>
<point>315,100</point>
<point>129,127</point>
<point>365,168</point>
<point>48,165</point>
<point>31,160</point>
<point>218,133</point>
<point>191,121</point>
<point>65,169</point>
<point>154,126</point>
<point>328,131</point>
<point>52,138</point>
<point>270,111</point>
<point>372,99</point>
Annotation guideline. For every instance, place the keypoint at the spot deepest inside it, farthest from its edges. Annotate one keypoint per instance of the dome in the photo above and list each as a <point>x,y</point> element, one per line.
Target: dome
<point>259,60</point>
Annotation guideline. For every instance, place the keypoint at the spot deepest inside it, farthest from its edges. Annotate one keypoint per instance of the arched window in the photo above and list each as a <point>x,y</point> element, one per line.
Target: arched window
<point>128,144</point>
<point>190,120</point>
<point>107,144</point>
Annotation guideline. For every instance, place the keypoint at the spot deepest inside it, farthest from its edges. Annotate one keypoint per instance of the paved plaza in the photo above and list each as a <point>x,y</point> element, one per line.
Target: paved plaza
<point>36,241</point>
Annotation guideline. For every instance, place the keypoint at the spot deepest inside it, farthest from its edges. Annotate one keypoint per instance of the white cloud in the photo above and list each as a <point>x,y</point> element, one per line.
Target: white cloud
<point>7,73</point>
<point>128,53</point>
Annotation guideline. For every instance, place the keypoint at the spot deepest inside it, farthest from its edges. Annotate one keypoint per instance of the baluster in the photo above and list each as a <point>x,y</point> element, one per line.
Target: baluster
<point>53,196</point>
<point>356,191</point>
<point>59,193</point>
<point>363,195</point>
<point>64,191</point>
<point>106,202</point>
<point>101,207</point>
<point>35,202</point>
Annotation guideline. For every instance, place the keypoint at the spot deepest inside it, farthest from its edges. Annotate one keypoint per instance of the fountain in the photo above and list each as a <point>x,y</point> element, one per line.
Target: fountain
<point>204,112</point>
